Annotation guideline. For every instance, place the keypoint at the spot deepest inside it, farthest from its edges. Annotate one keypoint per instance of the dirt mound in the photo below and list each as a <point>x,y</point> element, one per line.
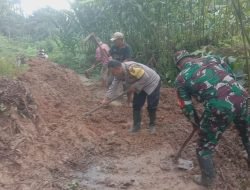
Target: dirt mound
<point>42,128</point>
<point>47,143</point>
<point>17,121</point>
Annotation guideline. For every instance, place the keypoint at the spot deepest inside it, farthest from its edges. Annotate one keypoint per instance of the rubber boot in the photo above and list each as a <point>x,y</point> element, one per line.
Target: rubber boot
<point>207,171</point>
<point>152,118</point>
<point>248,160</point>
<point>243,128</point>
<point>137,121</point>
<point>247,147</point>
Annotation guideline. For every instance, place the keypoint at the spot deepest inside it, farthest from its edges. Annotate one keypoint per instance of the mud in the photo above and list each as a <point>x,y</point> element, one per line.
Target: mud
<point>46,143</point>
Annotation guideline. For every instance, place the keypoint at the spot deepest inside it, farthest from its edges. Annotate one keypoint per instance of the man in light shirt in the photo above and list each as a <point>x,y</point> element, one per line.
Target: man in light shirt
<point>143,82</point>
<point>102,55</point>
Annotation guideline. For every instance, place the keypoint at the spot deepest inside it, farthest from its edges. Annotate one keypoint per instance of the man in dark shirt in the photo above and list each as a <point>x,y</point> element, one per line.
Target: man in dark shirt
<point>120,51</point>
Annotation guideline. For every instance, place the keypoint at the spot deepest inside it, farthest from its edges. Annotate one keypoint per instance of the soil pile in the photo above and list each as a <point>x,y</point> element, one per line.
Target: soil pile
<point>43,132</point>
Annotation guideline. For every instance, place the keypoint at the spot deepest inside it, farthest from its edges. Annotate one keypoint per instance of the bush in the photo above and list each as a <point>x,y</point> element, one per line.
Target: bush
<point>9,69</point>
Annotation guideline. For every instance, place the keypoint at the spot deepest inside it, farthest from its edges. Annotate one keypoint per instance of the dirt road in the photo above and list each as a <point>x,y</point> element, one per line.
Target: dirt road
<point>47,144</point>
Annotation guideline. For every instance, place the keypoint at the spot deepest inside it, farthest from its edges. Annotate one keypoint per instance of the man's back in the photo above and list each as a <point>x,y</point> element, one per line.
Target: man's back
<point>207,81</point>
<point>102,54</point>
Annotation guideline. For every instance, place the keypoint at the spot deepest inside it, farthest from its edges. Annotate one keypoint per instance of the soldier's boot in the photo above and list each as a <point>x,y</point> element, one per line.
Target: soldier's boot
<point>152,118</point>
<point>207,171</point>
<point>136,121</point>
<point>247,147</point>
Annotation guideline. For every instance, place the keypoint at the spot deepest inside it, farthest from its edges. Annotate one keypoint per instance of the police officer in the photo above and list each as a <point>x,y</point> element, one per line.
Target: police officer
<point>143,82</point>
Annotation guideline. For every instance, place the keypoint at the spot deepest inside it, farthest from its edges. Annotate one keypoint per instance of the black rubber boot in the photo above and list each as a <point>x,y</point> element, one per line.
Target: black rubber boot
<point>152,118</point>
<point>137,121</point>
<point>207,171</point>
<point>248,160</point>
<point>243,131</point>
<point>247,147</point>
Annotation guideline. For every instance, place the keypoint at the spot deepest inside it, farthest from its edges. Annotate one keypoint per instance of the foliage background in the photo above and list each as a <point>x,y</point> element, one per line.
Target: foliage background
<point>153,29</point>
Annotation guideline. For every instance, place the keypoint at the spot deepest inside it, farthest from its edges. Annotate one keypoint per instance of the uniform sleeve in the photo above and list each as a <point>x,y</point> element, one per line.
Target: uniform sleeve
<point>112,89</point>
<point>227,68</point>
<point>137,72</point>
<point>184,99</point>
<point>221,62</point>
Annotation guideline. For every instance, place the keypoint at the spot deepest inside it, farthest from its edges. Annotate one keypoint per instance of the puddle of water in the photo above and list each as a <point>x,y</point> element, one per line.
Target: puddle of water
<point>138,172</point>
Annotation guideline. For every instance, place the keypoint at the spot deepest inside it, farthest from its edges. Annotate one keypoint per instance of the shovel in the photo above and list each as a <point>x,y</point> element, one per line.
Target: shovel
<point>178,155</point>
<point>87,72</point>
<point>101,106</point>
<point>181,163</point>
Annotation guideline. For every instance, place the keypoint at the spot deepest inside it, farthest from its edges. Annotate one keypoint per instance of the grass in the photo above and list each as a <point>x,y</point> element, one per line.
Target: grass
<point>9,69</point>
<point>9,50</point>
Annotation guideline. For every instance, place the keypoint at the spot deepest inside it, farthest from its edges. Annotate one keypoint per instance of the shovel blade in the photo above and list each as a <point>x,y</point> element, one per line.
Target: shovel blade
<point>185,164</point>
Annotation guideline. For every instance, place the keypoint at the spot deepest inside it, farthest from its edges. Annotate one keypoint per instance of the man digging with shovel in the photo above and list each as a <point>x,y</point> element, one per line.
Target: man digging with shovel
<point>144,82</point>
<point>224,101</point>
<point>102,56</point>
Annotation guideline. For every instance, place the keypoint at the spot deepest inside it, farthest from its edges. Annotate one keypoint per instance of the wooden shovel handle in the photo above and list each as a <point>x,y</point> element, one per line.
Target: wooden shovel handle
<point>104,52</point>
<point>195,128</point>
<point>101,106</point>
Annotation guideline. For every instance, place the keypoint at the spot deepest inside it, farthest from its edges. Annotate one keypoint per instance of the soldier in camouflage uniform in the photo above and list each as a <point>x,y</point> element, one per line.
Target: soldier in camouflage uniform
<point>207,60</point>
<point>224,102</point>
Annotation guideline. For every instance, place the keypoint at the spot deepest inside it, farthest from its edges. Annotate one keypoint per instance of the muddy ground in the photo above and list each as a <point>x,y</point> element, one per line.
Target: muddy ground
<point>46,142</point>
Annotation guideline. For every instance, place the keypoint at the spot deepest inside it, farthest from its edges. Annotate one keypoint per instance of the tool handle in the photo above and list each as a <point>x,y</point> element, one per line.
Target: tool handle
<point>92,35</point>
<point>195,128</point>
<point>101,106</point>
<point>92,67</point>
<point>102,50</point>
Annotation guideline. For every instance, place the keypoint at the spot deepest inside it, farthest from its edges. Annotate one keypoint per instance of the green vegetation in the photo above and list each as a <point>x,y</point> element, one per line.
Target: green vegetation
<point>9,69</point>
<point>153,29</point>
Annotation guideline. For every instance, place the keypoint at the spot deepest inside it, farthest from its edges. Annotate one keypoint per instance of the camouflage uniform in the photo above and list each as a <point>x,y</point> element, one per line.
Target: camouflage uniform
<point>223,98</point>
<point>221,62</point>
<point>208,60</point>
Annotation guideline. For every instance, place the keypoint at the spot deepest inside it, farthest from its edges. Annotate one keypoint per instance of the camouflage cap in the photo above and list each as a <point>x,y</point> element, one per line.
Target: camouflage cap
<point>179,55</point>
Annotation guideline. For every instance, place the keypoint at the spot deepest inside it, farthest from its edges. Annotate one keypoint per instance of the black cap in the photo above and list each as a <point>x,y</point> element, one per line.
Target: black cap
<point>114,63</point>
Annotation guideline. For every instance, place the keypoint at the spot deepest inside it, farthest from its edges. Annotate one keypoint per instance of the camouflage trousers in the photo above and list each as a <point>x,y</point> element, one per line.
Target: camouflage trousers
<point>215,120</point>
